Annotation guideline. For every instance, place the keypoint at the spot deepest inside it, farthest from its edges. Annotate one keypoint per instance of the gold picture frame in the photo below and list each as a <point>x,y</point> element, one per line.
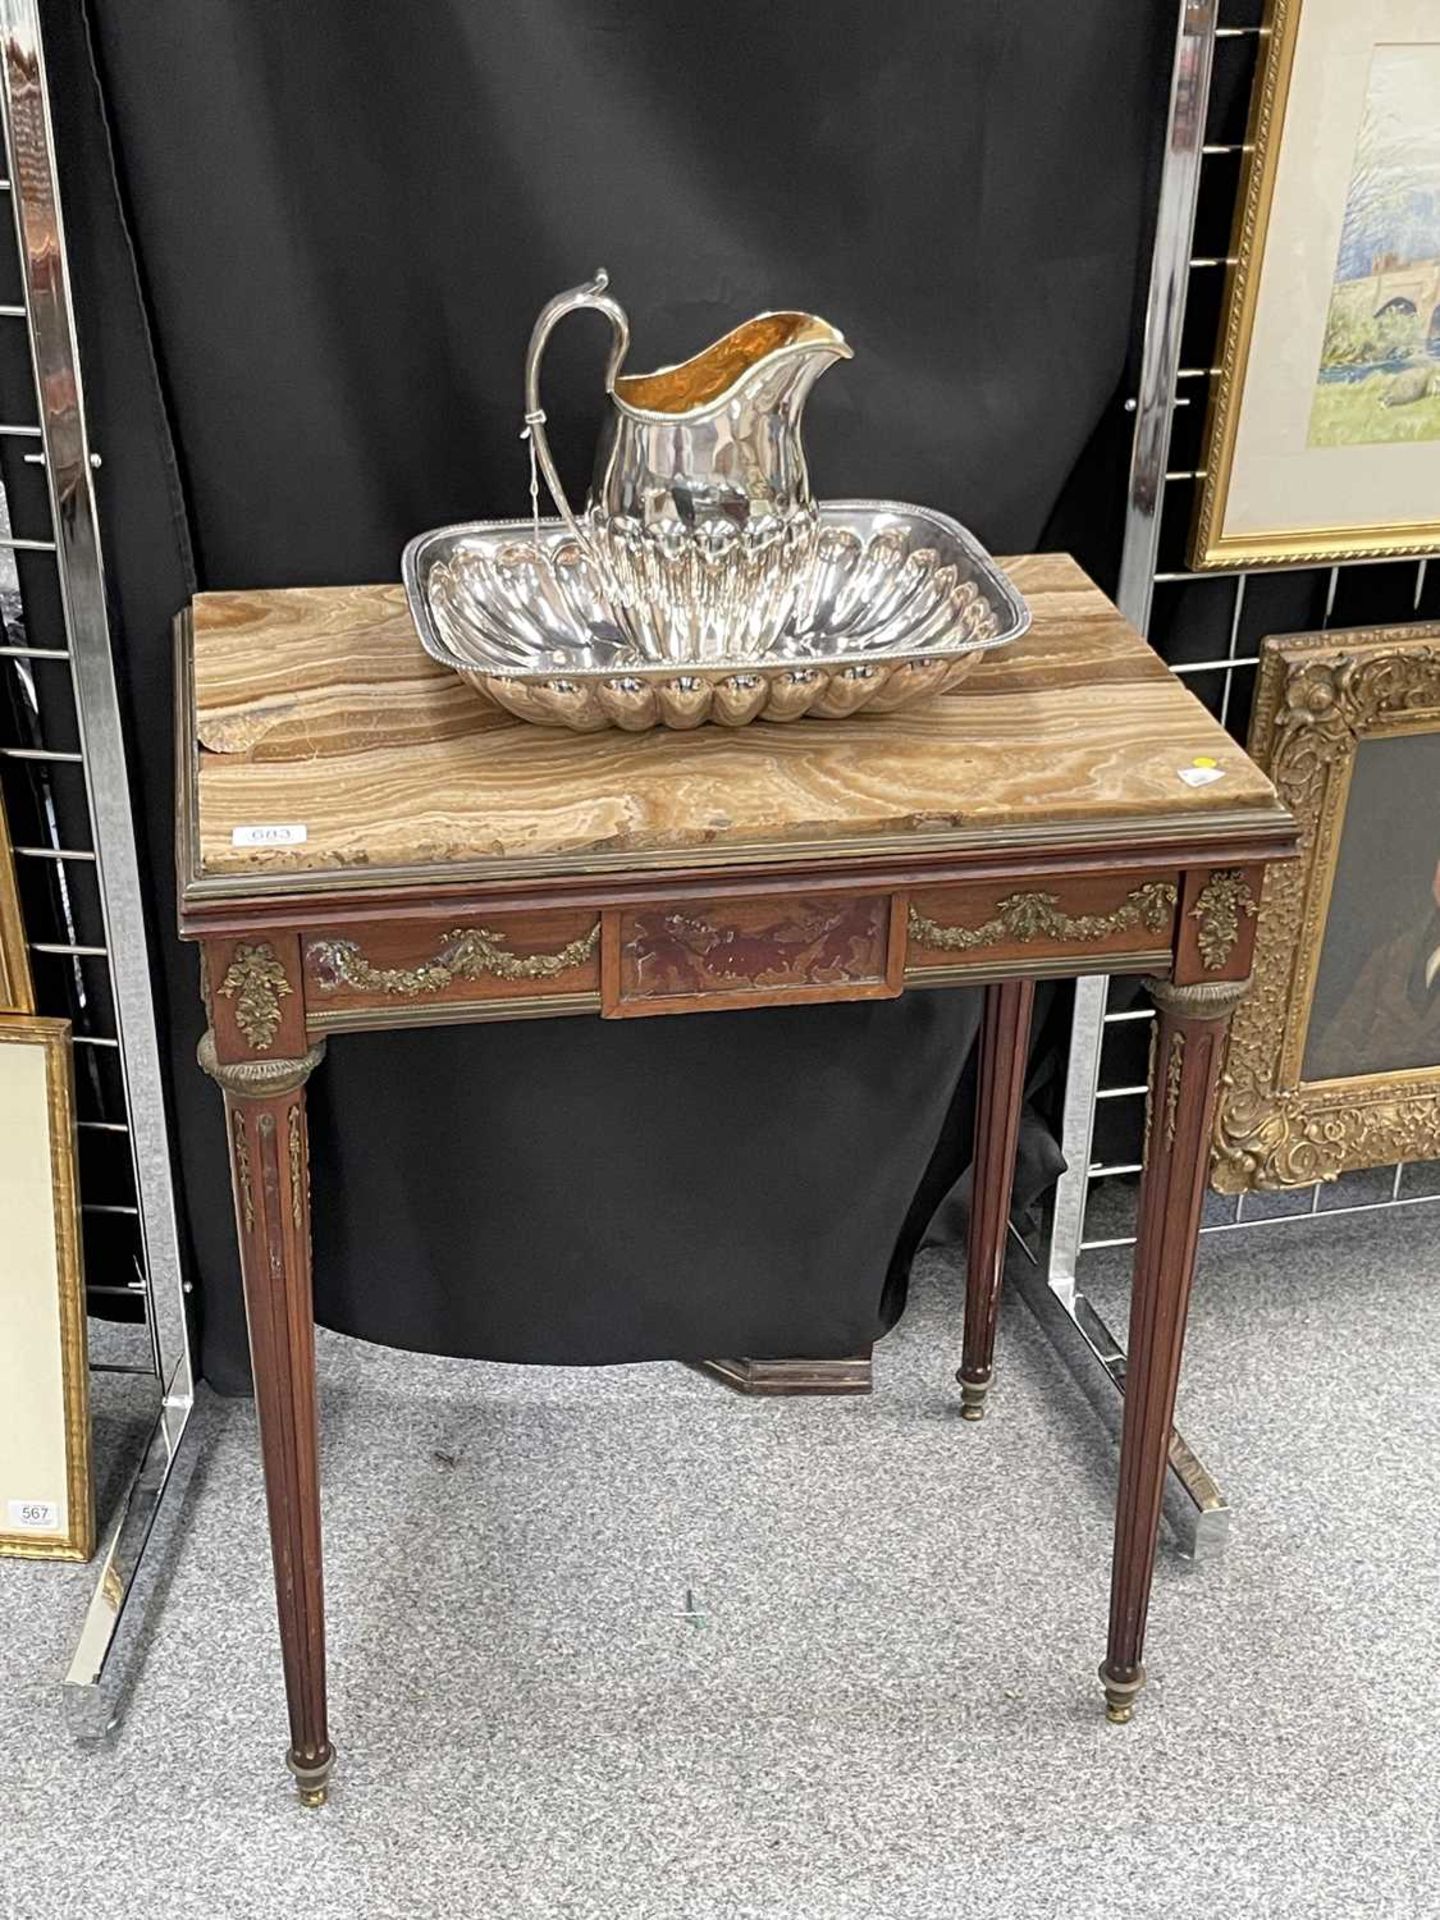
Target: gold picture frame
<point>1321,698</point>
<point>47,1507</point>
<point>17,991</point>
<point>1303,464</point>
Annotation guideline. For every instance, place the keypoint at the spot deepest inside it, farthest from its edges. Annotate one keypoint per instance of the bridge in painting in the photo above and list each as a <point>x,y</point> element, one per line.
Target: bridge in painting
<point>1411,287</point>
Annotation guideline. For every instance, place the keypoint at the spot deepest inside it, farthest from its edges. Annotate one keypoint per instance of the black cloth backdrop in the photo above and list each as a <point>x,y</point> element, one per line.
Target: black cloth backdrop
<point>309,241</point>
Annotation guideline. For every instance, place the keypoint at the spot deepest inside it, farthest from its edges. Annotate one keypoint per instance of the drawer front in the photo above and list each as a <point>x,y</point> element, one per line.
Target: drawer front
<point>698,956</point>
<point>1066,925</point>
<point>504,964</point>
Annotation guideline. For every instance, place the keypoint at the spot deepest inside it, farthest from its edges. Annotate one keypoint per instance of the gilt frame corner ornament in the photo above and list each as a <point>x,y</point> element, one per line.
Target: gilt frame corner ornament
<point>1319,696</point>
<point>1250,434</point>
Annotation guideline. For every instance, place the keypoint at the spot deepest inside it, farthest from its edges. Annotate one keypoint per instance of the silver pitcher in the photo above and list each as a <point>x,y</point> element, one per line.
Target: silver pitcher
<point>699,523</point>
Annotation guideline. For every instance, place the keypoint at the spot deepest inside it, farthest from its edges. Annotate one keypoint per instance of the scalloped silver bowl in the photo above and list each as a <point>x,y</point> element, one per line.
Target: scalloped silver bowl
<point>896,604</point>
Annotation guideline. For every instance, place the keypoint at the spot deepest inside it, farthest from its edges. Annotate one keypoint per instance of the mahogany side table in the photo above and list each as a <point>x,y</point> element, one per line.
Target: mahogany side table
<point>362,843</point>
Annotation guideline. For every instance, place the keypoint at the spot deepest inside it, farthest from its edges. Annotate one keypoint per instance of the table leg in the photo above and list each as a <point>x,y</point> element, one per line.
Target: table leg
<point>1185,1063</point>
<point>1004,1048</point>
<point>270,1175</point>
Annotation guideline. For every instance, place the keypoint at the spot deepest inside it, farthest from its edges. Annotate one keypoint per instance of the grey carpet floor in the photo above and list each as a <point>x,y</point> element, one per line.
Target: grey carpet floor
<point>620,1644</point>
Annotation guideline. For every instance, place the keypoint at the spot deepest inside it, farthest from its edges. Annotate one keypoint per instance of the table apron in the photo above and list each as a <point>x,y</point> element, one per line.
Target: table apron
<point>796,947</point>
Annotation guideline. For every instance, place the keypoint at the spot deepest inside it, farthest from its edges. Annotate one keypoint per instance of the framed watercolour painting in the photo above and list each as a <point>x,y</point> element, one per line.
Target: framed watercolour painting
<point>1334,1059</point>
<point>1323,440</point>
<point>46,1503</point>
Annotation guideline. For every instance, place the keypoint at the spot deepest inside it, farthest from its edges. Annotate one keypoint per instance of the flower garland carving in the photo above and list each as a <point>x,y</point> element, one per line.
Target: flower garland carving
<point>1217,910</point>
<point>256,981</point>
<point>242,1170</point>
<point>1024,917</point>
<point>1174,1073</point>
<point>298,1179</point>
<point>467,953</point>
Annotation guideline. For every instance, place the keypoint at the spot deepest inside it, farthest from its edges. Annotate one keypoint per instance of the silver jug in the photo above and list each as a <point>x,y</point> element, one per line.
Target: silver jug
<point>699,523</point>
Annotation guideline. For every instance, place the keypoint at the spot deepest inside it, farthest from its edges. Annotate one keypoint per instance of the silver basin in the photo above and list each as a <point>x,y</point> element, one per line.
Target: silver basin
<point>897,604</point>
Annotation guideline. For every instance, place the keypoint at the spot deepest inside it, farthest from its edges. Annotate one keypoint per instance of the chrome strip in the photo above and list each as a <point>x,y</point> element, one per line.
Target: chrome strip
<point>1160,366</point>
<point>1077,1126</point>
<point>1165,311</point>
<point>95,1686</point>
<point>1194,1504</point>
<point>69,473</point>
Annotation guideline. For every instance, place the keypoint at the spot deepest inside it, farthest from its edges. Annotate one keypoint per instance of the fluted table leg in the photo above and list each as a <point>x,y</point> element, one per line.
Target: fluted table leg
<point>1184,1077</point>
<point>1004,1047</point>
<point>269,1160</point>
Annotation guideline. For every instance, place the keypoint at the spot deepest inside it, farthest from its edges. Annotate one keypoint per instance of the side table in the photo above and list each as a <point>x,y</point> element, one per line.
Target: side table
<point>362,843</point>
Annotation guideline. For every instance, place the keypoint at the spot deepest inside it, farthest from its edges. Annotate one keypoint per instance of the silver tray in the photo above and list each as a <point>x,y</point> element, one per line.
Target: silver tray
<point>898,604</point>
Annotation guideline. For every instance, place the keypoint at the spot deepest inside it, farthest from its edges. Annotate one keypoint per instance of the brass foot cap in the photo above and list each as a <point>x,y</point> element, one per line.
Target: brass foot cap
<point>1120,1695</point>
<point>312,1777</point>
<point>972,1397</point>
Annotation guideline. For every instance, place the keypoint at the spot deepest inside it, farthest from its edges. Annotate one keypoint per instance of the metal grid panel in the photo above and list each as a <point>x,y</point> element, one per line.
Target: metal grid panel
<point>64,919</point>
<point>63,772</point>
<point>1208,627</point>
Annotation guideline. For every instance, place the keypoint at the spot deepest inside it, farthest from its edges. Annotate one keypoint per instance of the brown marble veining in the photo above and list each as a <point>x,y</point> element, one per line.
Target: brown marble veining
<point>316,707</point>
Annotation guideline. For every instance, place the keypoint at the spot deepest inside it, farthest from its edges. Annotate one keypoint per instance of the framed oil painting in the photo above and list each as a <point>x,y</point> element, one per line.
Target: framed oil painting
<point>46,1503</point>
<point>1323,440</point>
<point>1334,1058</point>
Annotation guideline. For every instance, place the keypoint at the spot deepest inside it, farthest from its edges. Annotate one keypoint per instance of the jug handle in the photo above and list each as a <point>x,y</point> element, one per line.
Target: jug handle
<point>592,294</point>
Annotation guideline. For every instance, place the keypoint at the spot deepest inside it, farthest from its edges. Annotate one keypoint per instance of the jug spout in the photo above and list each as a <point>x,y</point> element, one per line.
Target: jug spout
<point>718,437</point>
<point>771,361</point>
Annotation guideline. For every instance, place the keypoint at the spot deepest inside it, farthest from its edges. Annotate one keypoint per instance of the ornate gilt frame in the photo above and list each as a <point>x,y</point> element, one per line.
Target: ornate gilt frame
<point>78,1540</point>
<point>1319,696</point>
<point>1210,546</point>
